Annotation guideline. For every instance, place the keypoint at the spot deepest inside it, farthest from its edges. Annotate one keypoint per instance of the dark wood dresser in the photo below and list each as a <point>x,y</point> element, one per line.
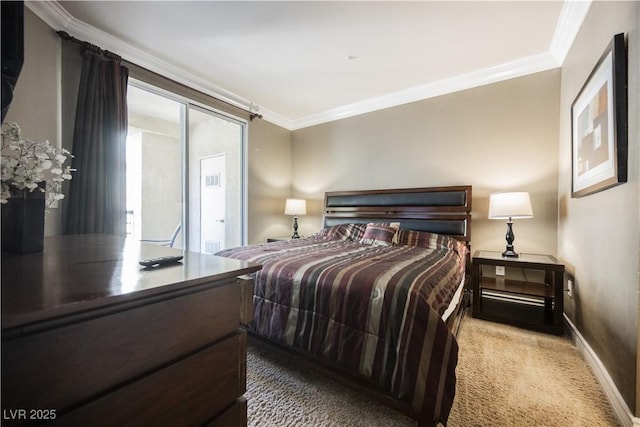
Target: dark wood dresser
<point>90,337</point>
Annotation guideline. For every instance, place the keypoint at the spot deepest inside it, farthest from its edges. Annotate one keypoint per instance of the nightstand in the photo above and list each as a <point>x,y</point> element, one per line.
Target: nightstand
<point>526,291</point>
<point>278,239</point>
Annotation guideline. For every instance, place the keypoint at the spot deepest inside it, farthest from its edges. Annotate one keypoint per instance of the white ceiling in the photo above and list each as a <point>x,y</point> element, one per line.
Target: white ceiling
<point>307,62</point>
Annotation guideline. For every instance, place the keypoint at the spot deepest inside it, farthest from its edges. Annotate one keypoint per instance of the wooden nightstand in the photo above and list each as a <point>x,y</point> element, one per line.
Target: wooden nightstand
<point>527,293</point>
<point>278,239</point>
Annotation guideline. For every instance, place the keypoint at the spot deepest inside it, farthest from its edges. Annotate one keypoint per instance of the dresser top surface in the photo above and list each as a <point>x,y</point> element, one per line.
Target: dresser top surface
<point>80,273</point>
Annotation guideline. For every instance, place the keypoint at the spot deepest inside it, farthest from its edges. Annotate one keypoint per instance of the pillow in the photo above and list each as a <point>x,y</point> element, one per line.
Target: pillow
<point>379,234</point>
<point>424,239</point>
<point>342,232</point>
<point>433,241</point>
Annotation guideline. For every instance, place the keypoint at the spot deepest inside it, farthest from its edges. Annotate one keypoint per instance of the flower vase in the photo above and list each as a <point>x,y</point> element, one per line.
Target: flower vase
<point>23,222</point>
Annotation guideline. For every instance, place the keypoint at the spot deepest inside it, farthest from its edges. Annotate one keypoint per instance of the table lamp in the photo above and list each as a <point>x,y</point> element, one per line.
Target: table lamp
<point>509,206</point>
<point>295,207</point>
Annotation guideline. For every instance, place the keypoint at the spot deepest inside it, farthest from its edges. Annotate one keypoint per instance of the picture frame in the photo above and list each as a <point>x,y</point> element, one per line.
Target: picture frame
<point>599,124</point>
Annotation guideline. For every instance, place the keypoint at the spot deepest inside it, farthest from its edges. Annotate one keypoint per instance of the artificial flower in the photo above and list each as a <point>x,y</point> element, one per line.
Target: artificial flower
<point>26,163</point>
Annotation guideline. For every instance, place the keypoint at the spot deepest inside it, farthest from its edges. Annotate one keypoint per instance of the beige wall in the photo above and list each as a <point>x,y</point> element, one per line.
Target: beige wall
<point>269,181</point>
<point>598,235</point>
<point>36,106</point>
<point>497,137</point>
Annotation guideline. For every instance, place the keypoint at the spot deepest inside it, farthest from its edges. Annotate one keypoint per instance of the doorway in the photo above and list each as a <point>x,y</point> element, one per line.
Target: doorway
<point>212,206</point>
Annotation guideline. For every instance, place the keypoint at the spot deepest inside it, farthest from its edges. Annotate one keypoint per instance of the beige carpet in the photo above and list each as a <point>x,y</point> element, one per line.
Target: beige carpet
<point>506,377</point>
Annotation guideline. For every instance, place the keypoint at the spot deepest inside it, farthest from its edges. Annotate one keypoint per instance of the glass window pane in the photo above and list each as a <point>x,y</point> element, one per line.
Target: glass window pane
<point>215,181</point>
<point>154,167</point>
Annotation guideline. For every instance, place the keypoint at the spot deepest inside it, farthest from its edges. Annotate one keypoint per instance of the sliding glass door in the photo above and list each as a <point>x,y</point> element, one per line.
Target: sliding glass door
<point>155,141</point>
<point>215,181</point>
<point>185,173</point>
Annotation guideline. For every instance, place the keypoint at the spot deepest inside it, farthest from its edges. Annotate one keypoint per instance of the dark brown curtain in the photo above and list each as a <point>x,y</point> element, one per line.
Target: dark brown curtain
<point>97,192</point>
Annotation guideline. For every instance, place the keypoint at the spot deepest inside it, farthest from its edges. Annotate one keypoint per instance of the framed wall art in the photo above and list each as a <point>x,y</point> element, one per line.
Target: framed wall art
<point>599,124</point>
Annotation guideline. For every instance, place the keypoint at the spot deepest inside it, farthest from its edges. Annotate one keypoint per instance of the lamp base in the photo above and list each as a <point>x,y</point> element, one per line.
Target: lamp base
<point>295,228</point>
<point>509,253</point>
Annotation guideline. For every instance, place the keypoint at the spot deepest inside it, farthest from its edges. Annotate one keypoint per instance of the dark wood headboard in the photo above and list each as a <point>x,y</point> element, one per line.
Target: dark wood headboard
<point>443,210</point>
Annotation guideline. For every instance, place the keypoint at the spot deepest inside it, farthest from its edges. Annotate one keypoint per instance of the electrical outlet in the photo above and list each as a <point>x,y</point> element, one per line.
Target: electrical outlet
<point>570,287</point>
<point>499,270</point>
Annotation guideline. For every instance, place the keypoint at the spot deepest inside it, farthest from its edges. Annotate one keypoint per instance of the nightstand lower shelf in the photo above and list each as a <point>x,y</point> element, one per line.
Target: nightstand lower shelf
<point>516,287</point>
<point>514,313</point>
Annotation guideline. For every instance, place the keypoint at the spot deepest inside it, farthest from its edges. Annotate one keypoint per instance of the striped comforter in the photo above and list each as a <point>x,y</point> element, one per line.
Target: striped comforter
<point>373,310</point>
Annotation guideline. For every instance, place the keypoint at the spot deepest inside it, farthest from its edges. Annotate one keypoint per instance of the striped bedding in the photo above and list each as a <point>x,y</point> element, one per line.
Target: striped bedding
<point>370,309</point>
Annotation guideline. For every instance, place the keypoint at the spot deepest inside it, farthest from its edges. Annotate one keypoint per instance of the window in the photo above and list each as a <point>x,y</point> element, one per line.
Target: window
<point>185,168</point>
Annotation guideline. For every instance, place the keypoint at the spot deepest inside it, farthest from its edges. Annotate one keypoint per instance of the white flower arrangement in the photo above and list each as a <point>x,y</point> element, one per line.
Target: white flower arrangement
<point>26,163</point>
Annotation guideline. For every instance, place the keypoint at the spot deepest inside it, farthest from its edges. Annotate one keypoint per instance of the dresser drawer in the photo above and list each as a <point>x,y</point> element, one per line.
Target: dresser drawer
<point>235,416</point>
<point>187,393</point>
<point>60,367</point>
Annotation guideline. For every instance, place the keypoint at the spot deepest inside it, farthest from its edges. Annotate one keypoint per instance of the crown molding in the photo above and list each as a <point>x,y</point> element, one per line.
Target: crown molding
<point>522,67</point>
<point>569,22</point>
<point>51,13</point>
<point>58,18</point>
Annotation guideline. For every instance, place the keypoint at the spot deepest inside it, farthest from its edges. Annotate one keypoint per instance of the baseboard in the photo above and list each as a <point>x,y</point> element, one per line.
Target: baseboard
<point>622,411</point>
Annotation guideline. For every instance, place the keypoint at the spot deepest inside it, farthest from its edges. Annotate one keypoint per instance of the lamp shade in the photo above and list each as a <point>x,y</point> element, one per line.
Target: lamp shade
<point>295,207</point>
<point>510,205</point>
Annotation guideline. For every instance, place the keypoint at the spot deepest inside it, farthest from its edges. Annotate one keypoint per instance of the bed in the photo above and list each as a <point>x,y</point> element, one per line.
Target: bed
<point>375,298</point>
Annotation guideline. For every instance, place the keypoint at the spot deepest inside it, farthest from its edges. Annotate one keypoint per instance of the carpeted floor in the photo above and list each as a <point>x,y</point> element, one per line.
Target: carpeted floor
<point>506,377</point>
